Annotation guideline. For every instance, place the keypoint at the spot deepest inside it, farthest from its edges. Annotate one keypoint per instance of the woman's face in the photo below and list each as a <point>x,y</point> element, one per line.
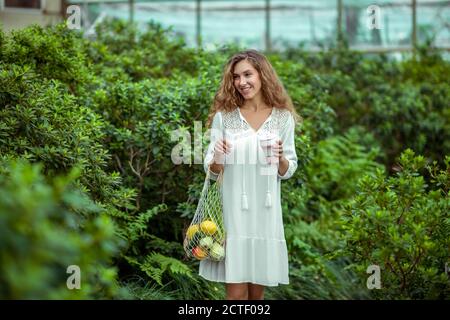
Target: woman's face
<point>246,79</point>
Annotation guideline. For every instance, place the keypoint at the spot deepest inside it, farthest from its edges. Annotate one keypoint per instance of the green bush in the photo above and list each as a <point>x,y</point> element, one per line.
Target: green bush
<point>41,236</point>
<point>41,122</point>
<point>53,53</point>
<point>402,224</point>
<point>62,120</point>
<point>404,104</point>
<point>310,213</point>
<point>152,53</point>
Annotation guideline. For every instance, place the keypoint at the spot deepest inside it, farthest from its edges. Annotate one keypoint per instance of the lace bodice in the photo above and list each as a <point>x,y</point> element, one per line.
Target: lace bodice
<point>233,122</point>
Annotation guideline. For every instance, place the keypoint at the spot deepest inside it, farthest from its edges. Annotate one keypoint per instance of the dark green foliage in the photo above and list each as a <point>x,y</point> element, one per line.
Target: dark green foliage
<point>141,55</point>
<point>404,104</point>
<point>40,237</point>
<point>402,224</point>
<point>53,53</point>
<point>41,122</point>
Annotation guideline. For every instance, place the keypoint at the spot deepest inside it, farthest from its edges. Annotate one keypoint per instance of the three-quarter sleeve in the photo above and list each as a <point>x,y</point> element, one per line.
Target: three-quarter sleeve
<point>287,137</point>
<point>216,134</point>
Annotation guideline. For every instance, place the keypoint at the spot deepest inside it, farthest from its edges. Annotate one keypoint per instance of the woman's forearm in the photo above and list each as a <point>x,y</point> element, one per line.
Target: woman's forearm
<point>216,167</point>
<point>283,167</point>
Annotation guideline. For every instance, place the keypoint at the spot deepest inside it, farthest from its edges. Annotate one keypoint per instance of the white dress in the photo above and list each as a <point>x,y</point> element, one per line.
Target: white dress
<point>255,249</point>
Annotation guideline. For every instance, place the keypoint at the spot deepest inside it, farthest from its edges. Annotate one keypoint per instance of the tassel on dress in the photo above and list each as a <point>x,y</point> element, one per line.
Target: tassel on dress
<point>244,201</point>
<point>268,194</point>
<point>268,199</point>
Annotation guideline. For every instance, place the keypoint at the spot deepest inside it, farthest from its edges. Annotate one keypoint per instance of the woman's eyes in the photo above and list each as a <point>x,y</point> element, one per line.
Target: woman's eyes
<point>247,75</point>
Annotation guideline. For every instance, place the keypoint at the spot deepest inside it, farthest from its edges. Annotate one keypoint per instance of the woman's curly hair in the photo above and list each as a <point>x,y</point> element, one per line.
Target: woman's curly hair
<point>228,98</point>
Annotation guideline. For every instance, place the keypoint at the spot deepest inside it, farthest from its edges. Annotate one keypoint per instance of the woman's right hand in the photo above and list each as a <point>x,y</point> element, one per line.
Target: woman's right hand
<point>221,148</point>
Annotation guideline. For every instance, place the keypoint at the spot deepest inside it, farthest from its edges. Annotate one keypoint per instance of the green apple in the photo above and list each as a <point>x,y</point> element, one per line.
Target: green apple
<point>206,242</point>
<point>217,252</point>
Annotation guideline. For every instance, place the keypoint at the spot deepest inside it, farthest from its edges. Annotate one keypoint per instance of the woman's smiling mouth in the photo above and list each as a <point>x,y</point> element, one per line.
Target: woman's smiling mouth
<point>246,90</point>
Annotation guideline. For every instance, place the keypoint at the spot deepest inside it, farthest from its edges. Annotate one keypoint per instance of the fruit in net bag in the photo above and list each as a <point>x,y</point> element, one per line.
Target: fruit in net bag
<point>217,252</point>
<point>199,253</point>
<point>192,230</point>
<point>206,243</point>
<point>208,227</point>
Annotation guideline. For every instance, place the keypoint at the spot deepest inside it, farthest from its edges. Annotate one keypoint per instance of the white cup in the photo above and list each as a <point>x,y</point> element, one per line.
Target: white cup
<point>266,141</point>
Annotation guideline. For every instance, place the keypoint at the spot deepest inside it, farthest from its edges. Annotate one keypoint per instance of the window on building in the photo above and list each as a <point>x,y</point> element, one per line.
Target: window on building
<point>25,4</point>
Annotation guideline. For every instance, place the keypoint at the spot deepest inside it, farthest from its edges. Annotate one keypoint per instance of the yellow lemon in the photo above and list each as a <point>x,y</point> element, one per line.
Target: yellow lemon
<point>208,227</point>
<point>192,230</point>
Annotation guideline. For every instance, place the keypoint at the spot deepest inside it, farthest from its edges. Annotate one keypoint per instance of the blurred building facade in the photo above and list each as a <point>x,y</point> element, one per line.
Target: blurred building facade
<point>17,14</point>
<point>262,24</point>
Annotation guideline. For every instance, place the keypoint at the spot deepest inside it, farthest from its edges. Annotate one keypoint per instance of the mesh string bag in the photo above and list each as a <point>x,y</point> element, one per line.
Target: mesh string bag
<point>205,237</point>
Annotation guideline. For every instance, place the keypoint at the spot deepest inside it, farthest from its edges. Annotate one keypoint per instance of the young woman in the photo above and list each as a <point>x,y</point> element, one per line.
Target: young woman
<point>252,141</point>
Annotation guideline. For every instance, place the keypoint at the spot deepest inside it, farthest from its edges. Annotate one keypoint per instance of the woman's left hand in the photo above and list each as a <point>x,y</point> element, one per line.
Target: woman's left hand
<point>277,152</point>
